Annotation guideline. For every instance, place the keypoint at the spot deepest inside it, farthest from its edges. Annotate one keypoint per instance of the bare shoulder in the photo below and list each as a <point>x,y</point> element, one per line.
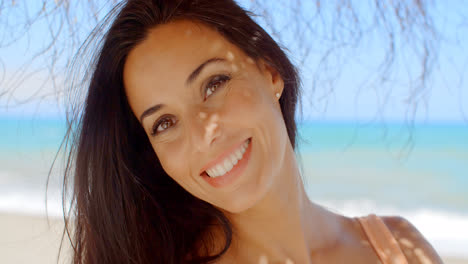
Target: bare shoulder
<point>413,244</point>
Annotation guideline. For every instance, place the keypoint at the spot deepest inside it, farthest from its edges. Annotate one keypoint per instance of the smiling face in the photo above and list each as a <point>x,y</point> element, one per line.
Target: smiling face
<point>210,112</point>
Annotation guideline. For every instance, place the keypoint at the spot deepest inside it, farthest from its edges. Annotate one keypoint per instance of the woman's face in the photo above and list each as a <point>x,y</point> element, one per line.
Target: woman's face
<point>210,112</point>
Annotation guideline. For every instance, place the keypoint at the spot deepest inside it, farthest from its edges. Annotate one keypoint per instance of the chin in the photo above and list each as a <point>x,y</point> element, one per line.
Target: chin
<point>238,208</point>
<point>243,201</point>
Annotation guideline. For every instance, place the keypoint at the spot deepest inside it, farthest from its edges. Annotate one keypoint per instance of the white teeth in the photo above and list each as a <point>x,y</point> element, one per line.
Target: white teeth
<point>211,171</point>
<point>228,163</point>
<point>218,170</point>
<point>234,159</point>
<point>238,154</point>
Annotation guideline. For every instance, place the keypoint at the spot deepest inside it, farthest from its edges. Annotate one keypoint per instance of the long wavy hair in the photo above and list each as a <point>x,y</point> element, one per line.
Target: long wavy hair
<point>124,207</point>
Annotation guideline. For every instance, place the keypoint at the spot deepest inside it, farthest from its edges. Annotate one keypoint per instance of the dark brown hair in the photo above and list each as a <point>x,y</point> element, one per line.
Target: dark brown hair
<point>126,209</point>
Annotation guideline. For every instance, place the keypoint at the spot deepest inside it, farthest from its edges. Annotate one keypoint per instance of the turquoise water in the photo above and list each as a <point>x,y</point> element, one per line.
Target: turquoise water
<point>320,135</point>
<point>418,172</point>
<point>427,163</point>
<point>27,135</point>
<point>425,166</point>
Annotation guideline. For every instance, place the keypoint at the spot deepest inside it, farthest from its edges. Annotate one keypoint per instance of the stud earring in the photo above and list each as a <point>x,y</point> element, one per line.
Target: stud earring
<point>278,95</point>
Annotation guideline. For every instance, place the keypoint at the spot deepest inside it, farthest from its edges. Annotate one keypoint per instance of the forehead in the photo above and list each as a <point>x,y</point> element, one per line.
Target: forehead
<point>168,55</point>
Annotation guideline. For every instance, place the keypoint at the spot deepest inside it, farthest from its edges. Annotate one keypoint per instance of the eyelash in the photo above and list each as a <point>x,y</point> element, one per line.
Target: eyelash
<point>164,119</point>
<point>210,86</point>
<point>222,79</point>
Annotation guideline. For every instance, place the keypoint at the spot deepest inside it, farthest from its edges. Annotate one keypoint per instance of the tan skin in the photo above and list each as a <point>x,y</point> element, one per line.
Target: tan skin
<point>232,99</point>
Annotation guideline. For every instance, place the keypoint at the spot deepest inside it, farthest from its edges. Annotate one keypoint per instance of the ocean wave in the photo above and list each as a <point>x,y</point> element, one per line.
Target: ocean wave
<point>31,203</point>
<point>446,231</point>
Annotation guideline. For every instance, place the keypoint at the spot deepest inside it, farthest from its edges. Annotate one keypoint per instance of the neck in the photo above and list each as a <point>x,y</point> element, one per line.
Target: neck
<point>284,224</point>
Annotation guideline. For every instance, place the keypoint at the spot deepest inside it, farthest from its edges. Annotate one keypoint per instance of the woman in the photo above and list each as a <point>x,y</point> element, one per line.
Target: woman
<point>185,151</point>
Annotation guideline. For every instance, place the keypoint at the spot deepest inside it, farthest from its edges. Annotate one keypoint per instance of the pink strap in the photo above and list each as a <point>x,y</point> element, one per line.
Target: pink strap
<point>382,240</point>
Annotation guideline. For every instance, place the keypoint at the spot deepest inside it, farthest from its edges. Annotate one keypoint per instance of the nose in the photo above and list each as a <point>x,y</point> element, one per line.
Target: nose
<point>204,130</point>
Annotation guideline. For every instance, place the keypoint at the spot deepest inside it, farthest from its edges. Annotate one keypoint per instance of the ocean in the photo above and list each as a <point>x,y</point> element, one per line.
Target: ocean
<point>419,172</point>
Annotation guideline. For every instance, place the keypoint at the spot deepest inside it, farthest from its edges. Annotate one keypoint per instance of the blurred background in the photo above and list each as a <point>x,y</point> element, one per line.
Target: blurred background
<point>383,120</point>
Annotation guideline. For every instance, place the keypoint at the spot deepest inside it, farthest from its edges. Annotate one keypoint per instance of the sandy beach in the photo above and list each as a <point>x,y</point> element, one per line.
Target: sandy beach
<point>33,239</point>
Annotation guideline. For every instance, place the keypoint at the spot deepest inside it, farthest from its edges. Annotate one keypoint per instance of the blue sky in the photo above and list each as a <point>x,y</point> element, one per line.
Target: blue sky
<point>351,99</point>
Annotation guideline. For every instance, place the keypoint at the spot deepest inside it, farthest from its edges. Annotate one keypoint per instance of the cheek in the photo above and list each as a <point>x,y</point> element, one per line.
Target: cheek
<point>172,155</point>
<point>249,102</point>
<point>244,100</point>
<point>255,107</point>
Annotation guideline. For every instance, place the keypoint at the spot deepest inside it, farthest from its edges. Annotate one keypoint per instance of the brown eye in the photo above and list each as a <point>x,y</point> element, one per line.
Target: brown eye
<point>162,125</point>
<point>215,83</point>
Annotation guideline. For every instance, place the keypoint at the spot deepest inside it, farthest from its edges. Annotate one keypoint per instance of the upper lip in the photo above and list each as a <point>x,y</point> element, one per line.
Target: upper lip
<point>221,157</point>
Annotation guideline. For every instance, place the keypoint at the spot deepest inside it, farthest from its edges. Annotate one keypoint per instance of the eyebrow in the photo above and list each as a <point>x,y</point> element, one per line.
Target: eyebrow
<point>198,70</point>
<point>150,111</point>
<point>190,79</point>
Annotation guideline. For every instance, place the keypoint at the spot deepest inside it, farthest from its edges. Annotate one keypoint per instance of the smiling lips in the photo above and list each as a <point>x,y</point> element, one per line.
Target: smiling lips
<point>228,162</point>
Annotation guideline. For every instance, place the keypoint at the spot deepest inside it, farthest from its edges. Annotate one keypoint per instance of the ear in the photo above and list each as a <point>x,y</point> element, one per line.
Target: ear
<point>273,77</point>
